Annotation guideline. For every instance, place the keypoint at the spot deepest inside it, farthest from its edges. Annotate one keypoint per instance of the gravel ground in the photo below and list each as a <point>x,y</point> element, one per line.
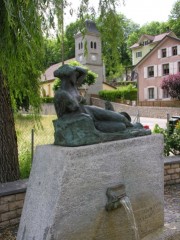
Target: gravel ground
<point>172,211</point>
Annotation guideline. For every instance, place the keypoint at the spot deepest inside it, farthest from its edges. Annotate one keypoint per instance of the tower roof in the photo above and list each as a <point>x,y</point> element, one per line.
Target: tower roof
<point>91,27</point>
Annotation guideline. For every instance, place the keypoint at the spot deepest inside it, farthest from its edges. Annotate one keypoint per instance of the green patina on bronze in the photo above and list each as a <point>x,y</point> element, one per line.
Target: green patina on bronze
<point>80,124</point>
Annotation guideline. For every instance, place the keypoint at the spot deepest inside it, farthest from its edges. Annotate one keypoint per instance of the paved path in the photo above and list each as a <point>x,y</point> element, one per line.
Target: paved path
<point>151,122</point>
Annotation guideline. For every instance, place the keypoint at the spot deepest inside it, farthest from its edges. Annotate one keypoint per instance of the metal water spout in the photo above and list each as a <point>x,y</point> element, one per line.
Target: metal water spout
<point>117,198</point>
<point>114,195</point>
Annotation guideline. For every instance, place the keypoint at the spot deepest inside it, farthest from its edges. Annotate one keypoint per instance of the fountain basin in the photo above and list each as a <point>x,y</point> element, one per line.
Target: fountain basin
<point>66,196</point>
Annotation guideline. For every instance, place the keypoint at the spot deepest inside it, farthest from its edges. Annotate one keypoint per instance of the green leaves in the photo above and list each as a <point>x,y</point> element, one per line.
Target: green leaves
<point>21,48</point>
<point>124,93</point>
<point>171,141</point>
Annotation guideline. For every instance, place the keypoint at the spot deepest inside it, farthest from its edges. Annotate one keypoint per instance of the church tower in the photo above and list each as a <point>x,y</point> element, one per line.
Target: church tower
<point>88,52</point>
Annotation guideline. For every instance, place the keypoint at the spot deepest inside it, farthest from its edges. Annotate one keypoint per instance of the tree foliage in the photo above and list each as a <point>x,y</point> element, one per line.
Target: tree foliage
<point>172,84</point>
<point>174,18</point>
<point>21,48</point>
<point>21,44</point>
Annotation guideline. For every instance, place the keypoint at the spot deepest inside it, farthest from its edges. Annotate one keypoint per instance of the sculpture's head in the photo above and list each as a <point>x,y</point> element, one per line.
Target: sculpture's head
<point>64,71</point>
<point>74,74</point>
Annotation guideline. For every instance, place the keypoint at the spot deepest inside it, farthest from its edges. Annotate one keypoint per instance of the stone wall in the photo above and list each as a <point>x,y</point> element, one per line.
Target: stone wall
<point>11,202</point>
<point>172,170</point>
<point>151,112</point>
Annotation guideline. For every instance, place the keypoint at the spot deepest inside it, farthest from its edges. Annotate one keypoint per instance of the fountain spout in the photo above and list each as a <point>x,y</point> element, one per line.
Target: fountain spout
<point>114,195</point>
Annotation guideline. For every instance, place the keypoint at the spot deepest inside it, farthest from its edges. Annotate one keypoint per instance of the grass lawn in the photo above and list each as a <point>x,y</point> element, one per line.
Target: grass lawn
<point>43,134</point>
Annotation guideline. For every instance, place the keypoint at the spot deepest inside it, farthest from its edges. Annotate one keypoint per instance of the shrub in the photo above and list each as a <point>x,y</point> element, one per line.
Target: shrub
<point>124,93</point>
<point>171,83</point>
<point>171,141</point>
<point>25,163</point>
<point>47,99</point>
<point>57,84</point>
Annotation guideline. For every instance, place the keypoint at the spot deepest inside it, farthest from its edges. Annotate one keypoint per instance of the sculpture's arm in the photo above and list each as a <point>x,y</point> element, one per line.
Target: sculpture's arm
<point>82,74</point>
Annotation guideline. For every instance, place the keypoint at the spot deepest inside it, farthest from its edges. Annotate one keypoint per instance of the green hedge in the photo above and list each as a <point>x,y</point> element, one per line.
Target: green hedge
<point>124,93</point>
<point>47,100</point>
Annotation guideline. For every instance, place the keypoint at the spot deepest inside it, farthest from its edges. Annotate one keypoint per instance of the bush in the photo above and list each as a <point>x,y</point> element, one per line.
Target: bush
<point>25,163</point>
<point>124,93</point>
<point>171,83</point>
<point>57,84</point>
<point>171,141</point>
<point>47,100</point>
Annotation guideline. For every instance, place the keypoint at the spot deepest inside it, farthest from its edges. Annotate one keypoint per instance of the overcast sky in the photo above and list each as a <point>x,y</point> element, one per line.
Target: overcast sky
<point>140,11</point>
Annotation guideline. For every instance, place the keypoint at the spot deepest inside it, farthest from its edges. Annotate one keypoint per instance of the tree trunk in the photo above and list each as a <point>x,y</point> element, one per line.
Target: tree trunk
<point>9,166</point>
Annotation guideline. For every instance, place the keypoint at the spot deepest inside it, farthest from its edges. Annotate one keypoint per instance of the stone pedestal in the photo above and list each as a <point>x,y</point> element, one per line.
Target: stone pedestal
<point>66,196</point>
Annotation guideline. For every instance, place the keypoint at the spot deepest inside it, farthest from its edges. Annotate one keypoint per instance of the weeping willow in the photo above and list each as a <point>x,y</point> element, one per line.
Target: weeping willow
<point>22,25</point>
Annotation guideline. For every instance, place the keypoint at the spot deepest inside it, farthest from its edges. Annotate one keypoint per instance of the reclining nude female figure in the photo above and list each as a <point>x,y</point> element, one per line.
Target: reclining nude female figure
<point>68,102</point>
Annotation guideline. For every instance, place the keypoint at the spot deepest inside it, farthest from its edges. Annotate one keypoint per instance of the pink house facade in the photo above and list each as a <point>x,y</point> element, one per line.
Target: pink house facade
<point>162,60</point>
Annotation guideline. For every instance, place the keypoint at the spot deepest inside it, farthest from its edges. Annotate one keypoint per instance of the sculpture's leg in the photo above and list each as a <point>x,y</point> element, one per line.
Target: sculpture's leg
<point>100,114</point>
<point>109,126</point>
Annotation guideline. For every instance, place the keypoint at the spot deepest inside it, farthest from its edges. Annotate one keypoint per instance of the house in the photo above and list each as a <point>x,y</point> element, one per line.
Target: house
<point>162,60</point>
<point>145,44</point>
<point>88,52</point>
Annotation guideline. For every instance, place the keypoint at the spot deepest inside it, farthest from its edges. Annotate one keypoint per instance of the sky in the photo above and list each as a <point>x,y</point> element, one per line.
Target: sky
<point>140,11</point>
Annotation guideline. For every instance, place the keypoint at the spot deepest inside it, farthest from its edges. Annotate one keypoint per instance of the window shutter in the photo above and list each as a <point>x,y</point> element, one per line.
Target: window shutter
<point>155,92</point>
<point>178,49</point>
<point>145,72</point>
<point>159,70</point>
<point>155,70</point>
<point>159,53</point>
<point>169,51</point>
<point>171,68</point>
<point>175,67</point>
<point>145,93</point>
<point>160,93</point>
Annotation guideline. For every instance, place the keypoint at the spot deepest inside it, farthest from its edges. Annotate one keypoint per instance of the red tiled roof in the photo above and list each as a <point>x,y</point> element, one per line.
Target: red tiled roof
<point>154,39</point>
<point>156,47</point>
<point>159,37</point>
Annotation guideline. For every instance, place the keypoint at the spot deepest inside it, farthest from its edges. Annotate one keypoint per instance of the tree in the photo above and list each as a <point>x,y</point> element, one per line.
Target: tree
<point>20,65</point>
<point>174,18</point>
<point>52,53</point>
<point>71,30</point>
<point>172,84</point>
<point>21,44</point>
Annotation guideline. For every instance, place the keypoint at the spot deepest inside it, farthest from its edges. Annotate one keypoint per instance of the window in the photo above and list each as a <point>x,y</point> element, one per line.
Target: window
<point>174,50</point>
<point>151,71</point>
<point>165,93</point>
<point>93,45</point>
<point>163,52</point>
<point>178,66</point>
<point>151,93</point>
<point>146,42</point>
<point>81,45</point>
<point>165,69</point>
<point>138,54</point>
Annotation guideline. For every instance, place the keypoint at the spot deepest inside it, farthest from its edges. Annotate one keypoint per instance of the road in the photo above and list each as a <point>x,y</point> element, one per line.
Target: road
<point>151,122</point>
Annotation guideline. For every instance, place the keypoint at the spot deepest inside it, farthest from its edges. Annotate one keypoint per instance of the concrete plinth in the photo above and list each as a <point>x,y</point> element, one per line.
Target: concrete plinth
<point>66,196</point>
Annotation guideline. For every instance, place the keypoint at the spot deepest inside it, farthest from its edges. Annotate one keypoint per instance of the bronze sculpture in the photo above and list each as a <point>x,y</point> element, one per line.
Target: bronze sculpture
<point>80,124</point>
